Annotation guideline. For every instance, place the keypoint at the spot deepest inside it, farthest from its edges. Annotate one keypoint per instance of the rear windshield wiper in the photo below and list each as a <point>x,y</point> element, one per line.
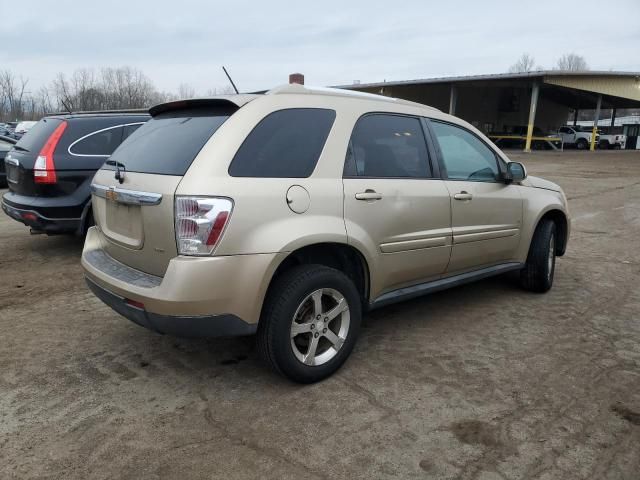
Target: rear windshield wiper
<point>113,163</point>
<point>18,147</point>
<point>120,169</point>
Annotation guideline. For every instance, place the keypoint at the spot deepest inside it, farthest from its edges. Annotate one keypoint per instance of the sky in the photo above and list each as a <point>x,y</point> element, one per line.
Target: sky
<point>331,42</point>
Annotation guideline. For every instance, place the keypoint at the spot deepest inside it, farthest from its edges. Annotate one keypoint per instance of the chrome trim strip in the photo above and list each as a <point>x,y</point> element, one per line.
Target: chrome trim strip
<point>128,197</point>
<point>393,247</point>
<point>491,235</point>
<point>94,133</point>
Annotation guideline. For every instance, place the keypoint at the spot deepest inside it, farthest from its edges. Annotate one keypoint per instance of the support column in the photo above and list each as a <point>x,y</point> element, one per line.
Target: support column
<point>613,117</point>
<point>453,99</point>
<point>535,89</point>
<point>575,117</point>
<point>595,123</point>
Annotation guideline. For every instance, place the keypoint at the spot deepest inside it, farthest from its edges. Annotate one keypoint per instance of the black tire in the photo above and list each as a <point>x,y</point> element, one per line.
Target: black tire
<point>582,144</point>
<point>537,274</point>
<point>89,222</point>
<point>286,295</point>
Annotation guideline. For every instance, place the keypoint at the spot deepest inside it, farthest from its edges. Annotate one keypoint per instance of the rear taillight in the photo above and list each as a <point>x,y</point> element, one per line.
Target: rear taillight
<point>44,170</point>
<point>200,223</point>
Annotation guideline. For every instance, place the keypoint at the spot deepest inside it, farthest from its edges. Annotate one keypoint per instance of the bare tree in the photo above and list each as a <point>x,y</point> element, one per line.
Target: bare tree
<point>12,94</point>
<point>572,62</point>
<point>186,91</point>
<point>524,64</point>
<point>86,89</point>
<point>227,90</point>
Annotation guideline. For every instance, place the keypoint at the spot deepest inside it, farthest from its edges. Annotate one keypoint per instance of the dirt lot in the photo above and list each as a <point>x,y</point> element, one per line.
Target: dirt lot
<point>484,381</point>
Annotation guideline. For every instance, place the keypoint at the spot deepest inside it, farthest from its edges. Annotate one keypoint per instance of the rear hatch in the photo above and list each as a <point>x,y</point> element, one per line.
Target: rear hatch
<point>21,159</point>
<point>136,217</point>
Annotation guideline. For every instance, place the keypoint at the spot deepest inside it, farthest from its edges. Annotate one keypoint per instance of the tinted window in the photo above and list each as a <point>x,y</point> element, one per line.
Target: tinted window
<point>129,129</point>
<point>35,138</point>
<point>285,144</point>
<point>387,146</point>
<point>101,143</point>
<point>168,143</point>
<point>464,155</point>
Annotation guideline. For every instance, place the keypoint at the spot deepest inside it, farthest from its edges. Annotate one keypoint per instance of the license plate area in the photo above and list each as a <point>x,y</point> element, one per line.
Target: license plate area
<point>123,223</point>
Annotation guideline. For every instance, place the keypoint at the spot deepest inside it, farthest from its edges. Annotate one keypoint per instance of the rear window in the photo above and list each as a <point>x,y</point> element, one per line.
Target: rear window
<point>35,138</point>
<point>168,143</point>
<point>285,144</point>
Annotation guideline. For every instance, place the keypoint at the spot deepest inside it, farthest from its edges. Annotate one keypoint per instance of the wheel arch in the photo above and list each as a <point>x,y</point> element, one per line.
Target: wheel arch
<point>562,228</point>
<point>341,256</point>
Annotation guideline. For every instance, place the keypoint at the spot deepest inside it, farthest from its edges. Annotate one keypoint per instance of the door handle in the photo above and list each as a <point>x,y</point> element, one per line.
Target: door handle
<point>463,196</point>
<point>368,194</point>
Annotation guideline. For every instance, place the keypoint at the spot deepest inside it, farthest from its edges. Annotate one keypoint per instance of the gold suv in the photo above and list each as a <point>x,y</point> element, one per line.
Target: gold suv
<point>289,214</point>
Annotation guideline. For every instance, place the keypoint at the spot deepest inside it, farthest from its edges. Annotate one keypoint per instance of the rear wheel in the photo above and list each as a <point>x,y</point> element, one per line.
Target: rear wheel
<point>582,144</point>
<point>537,274</point>
<point>310,322</point>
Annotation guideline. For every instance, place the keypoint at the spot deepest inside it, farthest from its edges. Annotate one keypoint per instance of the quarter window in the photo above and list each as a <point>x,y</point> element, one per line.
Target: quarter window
<point>285,144</point>
<point>387,146</point>
<point>100,143</point>
<point>464,155</point>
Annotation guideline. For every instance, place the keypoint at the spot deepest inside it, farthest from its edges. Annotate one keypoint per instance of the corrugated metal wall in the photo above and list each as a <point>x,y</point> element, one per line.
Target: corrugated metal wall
<point>624,87</point>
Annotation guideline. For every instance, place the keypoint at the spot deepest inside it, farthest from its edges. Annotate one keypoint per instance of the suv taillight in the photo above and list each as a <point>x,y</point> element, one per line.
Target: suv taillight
<point>44,170</point>
<point>200,223</point>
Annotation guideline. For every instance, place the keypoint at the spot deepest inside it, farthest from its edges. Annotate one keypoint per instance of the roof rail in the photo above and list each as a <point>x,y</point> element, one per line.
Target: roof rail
<point>339,92</point>
<point>98,112</point>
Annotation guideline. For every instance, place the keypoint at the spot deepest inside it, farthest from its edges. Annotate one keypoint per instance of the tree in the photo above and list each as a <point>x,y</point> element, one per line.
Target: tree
<point>186,91</point>
<point>572,62</point>
<point>12,95</point>
<point>524,64</point>
<point>226,90</point>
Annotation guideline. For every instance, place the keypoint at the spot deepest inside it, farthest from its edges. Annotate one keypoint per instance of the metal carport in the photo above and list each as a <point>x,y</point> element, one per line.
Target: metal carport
<point>497,101</point>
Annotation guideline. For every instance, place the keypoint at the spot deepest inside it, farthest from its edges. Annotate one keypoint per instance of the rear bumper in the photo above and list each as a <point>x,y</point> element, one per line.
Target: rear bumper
<point>182,326</point>
<point>201,296</point>
<point>29,211</point>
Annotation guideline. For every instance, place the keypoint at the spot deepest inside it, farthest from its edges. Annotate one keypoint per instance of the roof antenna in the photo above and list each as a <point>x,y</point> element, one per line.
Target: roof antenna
<point>66,106</point>
<point>229,77</point>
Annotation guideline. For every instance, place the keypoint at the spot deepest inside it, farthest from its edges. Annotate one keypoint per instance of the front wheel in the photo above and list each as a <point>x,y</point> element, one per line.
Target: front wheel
<point>537,274</point>
<point>310,322</point>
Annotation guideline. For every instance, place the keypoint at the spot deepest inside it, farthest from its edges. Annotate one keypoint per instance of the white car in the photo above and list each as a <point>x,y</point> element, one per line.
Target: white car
<point>23,127</point>
<point>576,136</point>
<point>611,137</point>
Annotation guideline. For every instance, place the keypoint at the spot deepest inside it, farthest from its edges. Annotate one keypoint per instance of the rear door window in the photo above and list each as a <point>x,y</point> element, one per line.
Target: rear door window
<point>387,146</point>
<point>98,144</point>
<point>168,143</point>
<point>285,144</point>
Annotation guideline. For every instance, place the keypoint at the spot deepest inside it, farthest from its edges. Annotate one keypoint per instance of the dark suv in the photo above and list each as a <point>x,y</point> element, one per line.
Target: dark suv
<point>49,170</point>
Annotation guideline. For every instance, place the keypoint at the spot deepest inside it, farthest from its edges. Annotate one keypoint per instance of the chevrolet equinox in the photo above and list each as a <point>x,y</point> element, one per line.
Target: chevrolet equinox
<point>289,214</point>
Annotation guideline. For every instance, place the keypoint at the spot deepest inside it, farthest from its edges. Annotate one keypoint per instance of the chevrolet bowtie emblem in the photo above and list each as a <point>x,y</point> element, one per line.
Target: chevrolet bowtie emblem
<point>111,194</point>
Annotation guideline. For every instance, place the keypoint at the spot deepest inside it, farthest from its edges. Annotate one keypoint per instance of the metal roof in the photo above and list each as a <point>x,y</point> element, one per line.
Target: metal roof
<point>495,76</point>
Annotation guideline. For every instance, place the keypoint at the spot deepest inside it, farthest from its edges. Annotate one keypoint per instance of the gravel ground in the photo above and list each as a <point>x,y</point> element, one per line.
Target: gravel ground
<point>483,381</point>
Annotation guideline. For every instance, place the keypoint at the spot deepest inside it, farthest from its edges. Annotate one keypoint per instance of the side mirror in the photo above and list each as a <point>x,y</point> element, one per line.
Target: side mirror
<point>515,172</point>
